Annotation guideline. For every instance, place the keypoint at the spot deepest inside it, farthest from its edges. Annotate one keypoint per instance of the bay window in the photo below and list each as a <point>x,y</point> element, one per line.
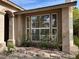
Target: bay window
<point>42,27</point>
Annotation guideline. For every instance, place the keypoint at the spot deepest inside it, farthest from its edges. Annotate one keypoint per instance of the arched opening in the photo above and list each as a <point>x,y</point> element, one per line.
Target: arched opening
<point>7,26</point>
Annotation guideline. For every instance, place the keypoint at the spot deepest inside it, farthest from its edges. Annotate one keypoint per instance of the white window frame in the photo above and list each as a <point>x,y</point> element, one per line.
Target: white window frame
<point>26,26</point>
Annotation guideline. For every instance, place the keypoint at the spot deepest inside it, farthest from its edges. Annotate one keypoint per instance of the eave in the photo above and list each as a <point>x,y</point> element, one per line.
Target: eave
<point>48,7</point>
<point>12,5</point>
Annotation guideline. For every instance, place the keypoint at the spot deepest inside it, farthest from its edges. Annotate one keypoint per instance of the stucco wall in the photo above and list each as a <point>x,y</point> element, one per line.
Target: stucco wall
<point>67,31</point>
<point>19,29</point>
<point>1,27</point>
<point>2,43</point>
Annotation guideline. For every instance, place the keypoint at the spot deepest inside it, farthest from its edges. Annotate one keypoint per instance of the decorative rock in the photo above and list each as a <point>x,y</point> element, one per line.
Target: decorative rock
<point>44,54</point>
<point>21,50</point>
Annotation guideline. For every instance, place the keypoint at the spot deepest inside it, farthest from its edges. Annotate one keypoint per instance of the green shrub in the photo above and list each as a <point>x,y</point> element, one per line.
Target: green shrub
<point>43,43</point>
<point>25,43</point>
<point>10,47</point>
<point>76,41</point>
<point>40,44</point>
<point>77,57</point>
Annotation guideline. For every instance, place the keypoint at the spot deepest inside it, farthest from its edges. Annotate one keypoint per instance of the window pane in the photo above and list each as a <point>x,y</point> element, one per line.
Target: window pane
<point>35,21</point>
<point>45,34</point>
<point>54,31</point>
<point>45,37</point>
<point>44,31</point>
<point>28,34</point>
<point>35,34</point>
<point>28,21</point>
<point>44,21</point>
<point>54,20</point>
<point>54,38</point>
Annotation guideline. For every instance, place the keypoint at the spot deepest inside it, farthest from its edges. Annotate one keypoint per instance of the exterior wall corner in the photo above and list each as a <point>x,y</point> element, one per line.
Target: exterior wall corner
<point>67,30</point>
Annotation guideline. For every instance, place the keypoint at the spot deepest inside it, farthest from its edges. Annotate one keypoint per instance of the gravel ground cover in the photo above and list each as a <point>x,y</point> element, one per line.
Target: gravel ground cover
<point>35,53</point>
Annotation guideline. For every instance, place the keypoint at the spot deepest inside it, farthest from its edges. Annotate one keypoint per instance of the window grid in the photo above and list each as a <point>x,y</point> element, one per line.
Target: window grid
<point>50,28</point>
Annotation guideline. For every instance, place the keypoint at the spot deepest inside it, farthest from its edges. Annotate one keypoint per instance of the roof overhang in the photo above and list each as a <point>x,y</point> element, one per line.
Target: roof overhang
<point>48,7</point>
<point>12,5</point>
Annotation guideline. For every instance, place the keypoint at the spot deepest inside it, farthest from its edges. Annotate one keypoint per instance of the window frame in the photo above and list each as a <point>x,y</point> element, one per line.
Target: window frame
<point>40,28</point>
<point>54,27</point>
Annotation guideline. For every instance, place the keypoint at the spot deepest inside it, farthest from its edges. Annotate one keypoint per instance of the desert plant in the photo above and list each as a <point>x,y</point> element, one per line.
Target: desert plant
<point>26,42</point>
<point>77,57</point>
<point>76,41</point>
<point>10,47</point>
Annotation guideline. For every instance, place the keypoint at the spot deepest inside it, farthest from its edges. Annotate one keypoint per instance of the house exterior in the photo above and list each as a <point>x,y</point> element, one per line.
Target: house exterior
<point>52,23</point>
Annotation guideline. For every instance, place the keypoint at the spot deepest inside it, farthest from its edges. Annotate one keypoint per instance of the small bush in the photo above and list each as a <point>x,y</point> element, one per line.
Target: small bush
<point>76,41</point>
<point>26,43</point>
<point>10,47</point>
<point>44,43</point>
<point>77,57</point>
<point>40,44</point>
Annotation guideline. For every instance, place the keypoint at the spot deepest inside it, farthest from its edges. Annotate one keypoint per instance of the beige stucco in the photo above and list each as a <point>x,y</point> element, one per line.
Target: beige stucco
<point>19,20</point>
<point>67,30</point>
<point>2,43</point>
<point>67,40</point>
<point>19,29</point>
<point>1,27</point>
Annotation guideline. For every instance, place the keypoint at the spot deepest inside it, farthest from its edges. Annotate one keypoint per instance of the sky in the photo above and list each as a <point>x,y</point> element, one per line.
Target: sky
<point>32,4</point>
